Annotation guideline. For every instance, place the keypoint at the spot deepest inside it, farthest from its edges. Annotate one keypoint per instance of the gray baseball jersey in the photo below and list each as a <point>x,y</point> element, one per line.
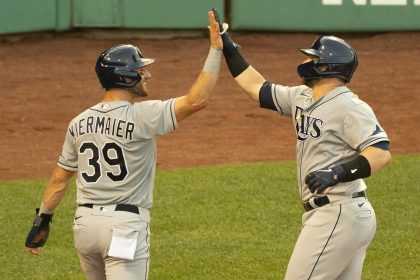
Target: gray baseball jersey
<point>112,147</point>
<point>331,130</point>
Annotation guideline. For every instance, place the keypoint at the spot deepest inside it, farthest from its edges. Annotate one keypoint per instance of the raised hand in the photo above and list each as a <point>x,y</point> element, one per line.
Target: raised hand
<point>215,38</point>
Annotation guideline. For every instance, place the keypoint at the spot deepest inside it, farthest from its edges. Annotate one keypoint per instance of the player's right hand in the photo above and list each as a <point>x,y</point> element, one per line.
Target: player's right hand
<point>321,179</point>
<point>228,44</point>
<point>39,232</point>
<point>215,38</point>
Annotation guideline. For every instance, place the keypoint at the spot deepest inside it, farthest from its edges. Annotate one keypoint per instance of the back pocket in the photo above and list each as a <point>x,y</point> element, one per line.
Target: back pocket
<point>123,243</point>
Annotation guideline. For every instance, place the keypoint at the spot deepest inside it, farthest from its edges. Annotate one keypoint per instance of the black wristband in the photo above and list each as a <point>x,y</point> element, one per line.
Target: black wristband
<point>42,220</point>
<point>353,170</point>
<point>236,63</point>
<point>229,47</point>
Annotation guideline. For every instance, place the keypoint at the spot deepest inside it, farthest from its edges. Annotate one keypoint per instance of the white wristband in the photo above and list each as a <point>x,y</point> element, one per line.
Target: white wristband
<point>212,64</point>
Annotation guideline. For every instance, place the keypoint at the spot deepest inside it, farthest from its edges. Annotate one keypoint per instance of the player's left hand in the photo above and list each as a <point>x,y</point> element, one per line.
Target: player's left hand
<point>215,38</point>
<point>319,180</point>
<point>39,232</point>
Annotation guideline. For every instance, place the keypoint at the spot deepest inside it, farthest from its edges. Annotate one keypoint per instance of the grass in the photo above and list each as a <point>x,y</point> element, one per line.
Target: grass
<point>222,222</point>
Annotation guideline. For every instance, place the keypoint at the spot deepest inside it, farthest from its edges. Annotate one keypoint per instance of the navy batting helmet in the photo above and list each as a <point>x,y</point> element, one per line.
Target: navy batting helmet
<point>333,58</point>
<point>116,66</point>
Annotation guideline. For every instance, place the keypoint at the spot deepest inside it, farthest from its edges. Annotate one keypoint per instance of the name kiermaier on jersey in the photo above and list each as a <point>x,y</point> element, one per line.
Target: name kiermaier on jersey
<point>372,2</point>
<point>102,125</point>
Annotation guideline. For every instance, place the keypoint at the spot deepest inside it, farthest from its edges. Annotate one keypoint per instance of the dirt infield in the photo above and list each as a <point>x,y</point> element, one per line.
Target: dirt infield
<point>47,80</point>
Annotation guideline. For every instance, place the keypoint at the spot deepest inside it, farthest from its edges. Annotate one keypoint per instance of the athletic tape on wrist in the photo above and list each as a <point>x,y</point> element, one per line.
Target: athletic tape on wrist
<point>213,61</point>
<point>44,210</point>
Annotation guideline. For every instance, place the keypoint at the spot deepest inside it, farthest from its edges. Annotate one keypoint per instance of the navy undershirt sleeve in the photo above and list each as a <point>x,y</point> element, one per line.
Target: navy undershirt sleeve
<point>384,145</point>
<point>266,99</point>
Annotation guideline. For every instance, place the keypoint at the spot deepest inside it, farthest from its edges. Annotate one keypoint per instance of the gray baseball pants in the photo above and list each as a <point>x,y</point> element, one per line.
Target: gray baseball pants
<point>333,241</point>
<point>112,244</point>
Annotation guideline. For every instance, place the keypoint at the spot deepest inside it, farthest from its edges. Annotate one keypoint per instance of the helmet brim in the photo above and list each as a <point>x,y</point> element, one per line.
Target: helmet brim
<point>143,63</point>
<point>309,52</point>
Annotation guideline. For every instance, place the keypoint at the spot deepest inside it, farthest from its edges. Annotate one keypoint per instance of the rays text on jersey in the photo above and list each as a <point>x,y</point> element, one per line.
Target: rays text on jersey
<point>307,126</point>
<point>102,125</point>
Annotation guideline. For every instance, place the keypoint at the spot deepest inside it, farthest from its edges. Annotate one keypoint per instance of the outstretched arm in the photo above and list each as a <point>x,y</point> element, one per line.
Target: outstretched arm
<point>249,79</point>
<point>200,92</point>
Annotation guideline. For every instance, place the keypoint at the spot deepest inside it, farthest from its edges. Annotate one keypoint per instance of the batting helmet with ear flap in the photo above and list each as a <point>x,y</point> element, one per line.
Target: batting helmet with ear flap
<point>332,57</point>
<point>116,66</point>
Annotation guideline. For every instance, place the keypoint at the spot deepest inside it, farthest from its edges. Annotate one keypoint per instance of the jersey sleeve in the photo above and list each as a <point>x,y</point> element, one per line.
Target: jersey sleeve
<point>68,157</point>
<point>362,129</point>
<point>156,117</point>
<point>277,98</point>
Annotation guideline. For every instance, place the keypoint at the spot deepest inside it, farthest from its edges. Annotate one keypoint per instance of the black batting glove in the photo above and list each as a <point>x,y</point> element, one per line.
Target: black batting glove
<point>321,179</point>
<point>40,230</point>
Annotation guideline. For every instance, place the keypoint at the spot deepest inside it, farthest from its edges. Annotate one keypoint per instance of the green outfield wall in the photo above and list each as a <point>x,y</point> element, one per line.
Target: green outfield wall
<point>18,16</point>
<point>326,15</point>
<point>150,14</point>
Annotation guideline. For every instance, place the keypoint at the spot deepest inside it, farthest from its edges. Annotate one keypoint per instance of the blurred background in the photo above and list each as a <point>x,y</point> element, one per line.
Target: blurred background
<point>20,16</point>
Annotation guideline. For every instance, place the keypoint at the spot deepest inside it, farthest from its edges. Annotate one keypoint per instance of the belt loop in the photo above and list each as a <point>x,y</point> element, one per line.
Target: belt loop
<point>316,202</point>
<point>307,206</point>
<point>312,203</point>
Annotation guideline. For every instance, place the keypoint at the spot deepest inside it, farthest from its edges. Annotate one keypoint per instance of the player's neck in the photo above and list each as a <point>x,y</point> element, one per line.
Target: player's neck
<point>324,86</point>
<point>118,95</point>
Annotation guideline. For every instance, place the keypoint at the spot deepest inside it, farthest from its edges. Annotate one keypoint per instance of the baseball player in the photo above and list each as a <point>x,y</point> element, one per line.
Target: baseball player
<point>339,142</point>
<point>112,148</point>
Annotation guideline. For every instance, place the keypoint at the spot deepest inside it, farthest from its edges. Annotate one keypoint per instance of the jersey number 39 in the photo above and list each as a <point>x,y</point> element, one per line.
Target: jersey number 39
<point>95,162</point>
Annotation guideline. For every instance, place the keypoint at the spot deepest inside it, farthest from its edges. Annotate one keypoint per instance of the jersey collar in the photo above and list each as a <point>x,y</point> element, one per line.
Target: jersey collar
<point>109,106</point>
<point>330,95</point>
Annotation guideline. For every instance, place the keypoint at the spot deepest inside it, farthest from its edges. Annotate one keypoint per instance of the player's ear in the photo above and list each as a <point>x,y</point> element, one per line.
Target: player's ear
<point>127,80</point>
<point>322,68</point>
